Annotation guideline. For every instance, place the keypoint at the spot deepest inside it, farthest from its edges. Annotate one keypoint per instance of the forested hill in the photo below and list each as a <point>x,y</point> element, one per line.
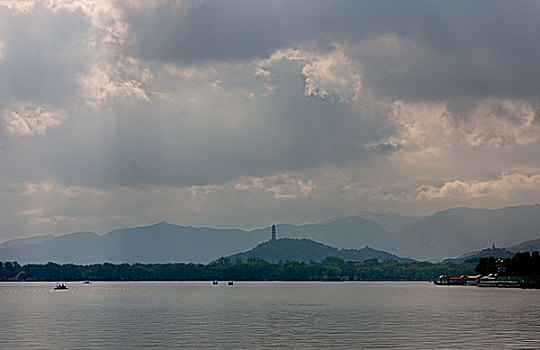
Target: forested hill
<point>306,250</point>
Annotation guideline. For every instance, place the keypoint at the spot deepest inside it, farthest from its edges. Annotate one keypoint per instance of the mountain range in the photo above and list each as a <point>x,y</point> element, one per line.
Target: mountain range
<point>449,233</point>
<point>528,246</point>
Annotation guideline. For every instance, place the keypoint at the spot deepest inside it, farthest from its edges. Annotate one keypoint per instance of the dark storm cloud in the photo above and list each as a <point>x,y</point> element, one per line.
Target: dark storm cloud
<point>466,48</point>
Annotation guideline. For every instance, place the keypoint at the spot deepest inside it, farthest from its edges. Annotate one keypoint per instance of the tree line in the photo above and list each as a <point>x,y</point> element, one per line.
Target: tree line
<point>521,264</point>
<point>252,270</point>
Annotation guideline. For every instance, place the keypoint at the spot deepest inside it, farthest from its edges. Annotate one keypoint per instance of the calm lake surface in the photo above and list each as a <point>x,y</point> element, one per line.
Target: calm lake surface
<point>120,315</point>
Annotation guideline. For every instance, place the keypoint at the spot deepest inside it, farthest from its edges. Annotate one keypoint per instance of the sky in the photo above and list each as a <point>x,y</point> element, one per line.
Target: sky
<point>244,113</point>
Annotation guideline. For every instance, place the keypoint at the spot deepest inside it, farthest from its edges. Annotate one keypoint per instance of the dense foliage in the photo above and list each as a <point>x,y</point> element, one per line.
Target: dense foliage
<point>306,250</point>
<point>224,269</point>
<point>521,264</point>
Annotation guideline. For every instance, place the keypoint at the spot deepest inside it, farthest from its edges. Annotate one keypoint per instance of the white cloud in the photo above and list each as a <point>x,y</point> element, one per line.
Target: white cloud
<point>32,212</point>
<point>125,78</point>
<point>2,49</point>
<point>501,122</point>
<point>428,130</point>
<point>105,15</point>
<point>423,131</point>
<point>333,76</point>
<point>290,188</point>
<point>112,74</point>
<point>511,187</point>
<point>20,120</point>
<point>328,75</point>
<point>19,6</point>
<point>280,186</point>
<point>507,185</point>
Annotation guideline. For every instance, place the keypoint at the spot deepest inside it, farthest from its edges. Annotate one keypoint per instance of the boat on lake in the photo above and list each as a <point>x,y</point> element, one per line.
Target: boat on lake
<point>491,280</point>
<point>60,286</point>
<point>445,280</point>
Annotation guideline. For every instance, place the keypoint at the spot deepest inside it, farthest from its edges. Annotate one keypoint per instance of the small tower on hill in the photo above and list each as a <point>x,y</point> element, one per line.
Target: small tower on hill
<point>273,232</point>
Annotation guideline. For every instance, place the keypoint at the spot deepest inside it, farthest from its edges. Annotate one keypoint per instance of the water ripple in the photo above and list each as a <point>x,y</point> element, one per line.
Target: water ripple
<point>266,315</point>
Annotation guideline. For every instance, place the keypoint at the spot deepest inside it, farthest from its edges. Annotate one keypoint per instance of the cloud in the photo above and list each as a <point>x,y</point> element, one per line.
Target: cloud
<point>104,15</point>
<point>511,187</point>
<point>507,185</point>
<point>328,75</point>
<point>295,197</point>
<point>123,79</point>
<point>111,72</point>
<point>502,122</point>
<point>19,6</point>
<point>281,186</point>
<point>50,206</point>
<point>182,129</point>
<point>430,53</point>
<point>425,131</point>
<point>23,121</point>
<point>245,112</point>
<point>43,55</point>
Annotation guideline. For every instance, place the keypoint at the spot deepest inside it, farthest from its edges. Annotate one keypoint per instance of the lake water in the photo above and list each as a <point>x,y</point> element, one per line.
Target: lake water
<point>166,315</point>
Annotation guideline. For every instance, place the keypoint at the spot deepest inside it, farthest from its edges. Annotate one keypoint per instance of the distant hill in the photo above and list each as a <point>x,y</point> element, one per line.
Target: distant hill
<point>457,231</point>
<point>484,253</point>
<point>306,250</point>
<point>347,232</point>
<point>392,222</point>
<point>31,240</point>
<point>528,246</point>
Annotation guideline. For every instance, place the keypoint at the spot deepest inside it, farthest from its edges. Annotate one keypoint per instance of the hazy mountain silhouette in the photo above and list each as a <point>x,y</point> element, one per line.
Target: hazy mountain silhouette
<point>392,222</point>
<point>484,253</point>
<point>161,242</point>
<point>306,250</point>
<point>31,240</point>
<point>528,246</point>
<point>448,233</point>
<point>457,231</point>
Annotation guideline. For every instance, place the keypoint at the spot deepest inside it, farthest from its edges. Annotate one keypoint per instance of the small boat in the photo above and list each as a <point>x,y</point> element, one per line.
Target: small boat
<point>86,282</point>
<point>231,283</point>
<point>60,286</point>
<point>215,283</point>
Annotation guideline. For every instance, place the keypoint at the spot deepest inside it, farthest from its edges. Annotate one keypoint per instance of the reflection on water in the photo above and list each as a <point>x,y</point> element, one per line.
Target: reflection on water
<point>266,315</point>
